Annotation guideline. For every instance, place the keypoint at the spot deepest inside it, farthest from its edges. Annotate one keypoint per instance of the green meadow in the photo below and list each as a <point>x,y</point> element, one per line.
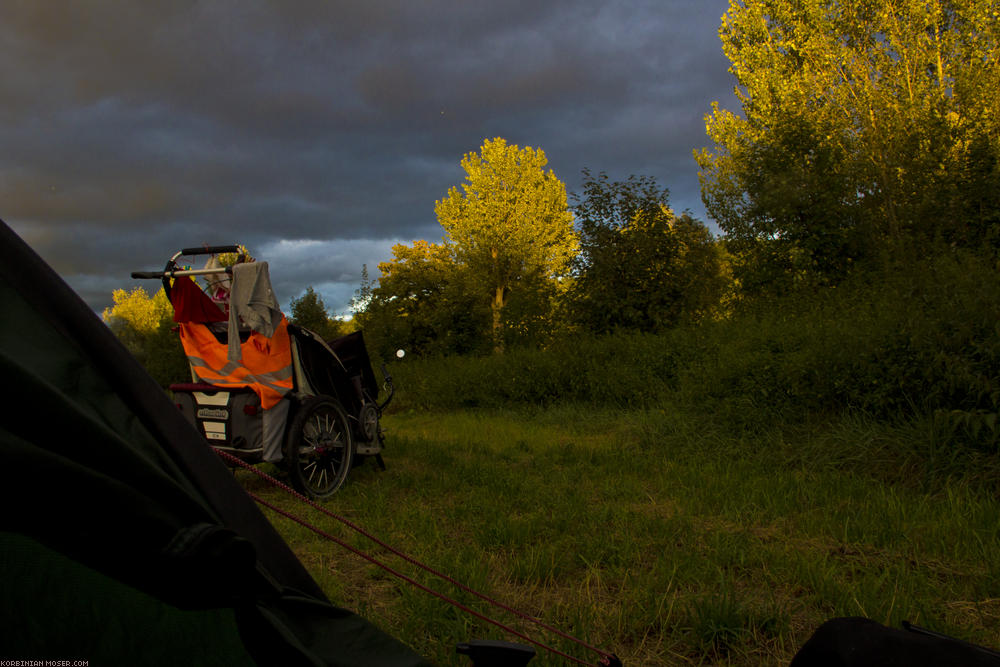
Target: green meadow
<point>654,535</point>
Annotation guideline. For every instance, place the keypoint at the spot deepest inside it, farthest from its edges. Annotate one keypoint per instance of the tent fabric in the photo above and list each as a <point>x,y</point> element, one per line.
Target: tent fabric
<point>57,609</point>
<point>862,642</point>
<point>109,491</point>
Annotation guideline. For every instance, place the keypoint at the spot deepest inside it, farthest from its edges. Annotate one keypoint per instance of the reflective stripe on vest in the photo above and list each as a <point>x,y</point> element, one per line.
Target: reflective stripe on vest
<point>266,363</point>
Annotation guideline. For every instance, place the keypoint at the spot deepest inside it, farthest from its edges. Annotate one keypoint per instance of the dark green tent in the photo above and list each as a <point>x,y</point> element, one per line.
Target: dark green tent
<point>124,539</point>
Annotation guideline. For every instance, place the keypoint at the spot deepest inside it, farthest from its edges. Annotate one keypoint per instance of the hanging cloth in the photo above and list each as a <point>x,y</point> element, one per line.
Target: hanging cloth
<point>252,301</point>
<point>191,304</point>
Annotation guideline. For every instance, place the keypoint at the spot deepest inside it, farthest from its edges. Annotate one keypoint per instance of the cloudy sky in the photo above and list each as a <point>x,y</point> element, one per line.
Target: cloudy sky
<point>320,132</point>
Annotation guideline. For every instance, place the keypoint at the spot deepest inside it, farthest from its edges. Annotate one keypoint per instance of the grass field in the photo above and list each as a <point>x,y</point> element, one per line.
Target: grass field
<point>661,536</point>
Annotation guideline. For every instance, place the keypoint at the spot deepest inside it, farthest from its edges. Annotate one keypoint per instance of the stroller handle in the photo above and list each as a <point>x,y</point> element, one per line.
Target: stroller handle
<point>179,272</point>
<point>210,250</point>
<point>171,270</point>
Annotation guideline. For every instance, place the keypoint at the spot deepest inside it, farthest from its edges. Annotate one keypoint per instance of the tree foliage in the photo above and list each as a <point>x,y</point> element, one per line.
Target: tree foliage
<point>137,311</point>
<point>310,312</point>
<point>424,303</point>
<point>143,324</point>
<point>641,267</point>
<point>863,123</point>
<point>508,224</point>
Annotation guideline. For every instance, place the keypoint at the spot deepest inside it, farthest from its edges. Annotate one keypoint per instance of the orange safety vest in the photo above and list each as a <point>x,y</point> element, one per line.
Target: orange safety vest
<point>265,366</point>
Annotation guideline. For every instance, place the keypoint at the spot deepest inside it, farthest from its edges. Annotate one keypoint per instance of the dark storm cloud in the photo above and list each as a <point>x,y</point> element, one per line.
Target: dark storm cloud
<point>320,133</point>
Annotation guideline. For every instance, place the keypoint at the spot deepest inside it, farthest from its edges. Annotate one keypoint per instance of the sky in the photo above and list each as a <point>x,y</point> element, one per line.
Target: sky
<point>321,132</point>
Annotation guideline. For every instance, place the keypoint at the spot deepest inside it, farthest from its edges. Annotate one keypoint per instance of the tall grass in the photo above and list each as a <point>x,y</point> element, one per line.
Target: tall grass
<point>656,535</point>
<point>917,344</point>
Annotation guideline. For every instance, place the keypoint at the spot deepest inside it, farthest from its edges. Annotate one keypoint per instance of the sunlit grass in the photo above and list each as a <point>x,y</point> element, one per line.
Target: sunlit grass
<point>658,535</point>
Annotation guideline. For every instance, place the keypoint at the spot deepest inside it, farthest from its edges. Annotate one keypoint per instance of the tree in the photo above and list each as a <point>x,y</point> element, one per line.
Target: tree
<point>509,223</point>
<point>423,302</point>
<point>138,311</point>
<point>144,325</point>
<point>310,312</point>
<point>641,266</point>
<point>863,124</point>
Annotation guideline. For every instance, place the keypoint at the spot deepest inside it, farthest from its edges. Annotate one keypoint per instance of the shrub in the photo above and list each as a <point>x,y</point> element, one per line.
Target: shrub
<point>916,339</point>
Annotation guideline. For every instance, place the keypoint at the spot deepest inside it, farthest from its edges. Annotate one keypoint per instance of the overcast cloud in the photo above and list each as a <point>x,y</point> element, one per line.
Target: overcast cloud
<point>321,132</point>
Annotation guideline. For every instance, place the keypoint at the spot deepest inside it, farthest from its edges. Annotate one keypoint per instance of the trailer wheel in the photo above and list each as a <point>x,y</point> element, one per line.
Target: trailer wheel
<point>320,449</point>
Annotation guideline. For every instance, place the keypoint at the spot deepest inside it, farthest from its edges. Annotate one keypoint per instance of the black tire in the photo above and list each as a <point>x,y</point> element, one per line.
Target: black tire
<point>320,448</point>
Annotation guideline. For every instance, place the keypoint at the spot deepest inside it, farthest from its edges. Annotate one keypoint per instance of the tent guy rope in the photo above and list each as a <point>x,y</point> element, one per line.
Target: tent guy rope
<point>607,659</point>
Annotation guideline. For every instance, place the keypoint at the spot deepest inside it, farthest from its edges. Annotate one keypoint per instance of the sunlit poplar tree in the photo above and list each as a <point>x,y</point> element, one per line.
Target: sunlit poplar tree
<point>861,123</point>
<point>509,223</point>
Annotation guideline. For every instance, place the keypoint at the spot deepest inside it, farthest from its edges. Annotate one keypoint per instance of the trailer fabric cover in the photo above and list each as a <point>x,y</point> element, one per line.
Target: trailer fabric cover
<point>125,540</point>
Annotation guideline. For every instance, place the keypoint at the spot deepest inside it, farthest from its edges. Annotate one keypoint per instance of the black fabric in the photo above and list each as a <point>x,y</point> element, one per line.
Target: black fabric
<point>55,608</point>
<point>353,353</point>
<point>293,629</point>
<point>861,642</point>
<point>133,494</point>
<point>325,373</point>
<point>110,499</point>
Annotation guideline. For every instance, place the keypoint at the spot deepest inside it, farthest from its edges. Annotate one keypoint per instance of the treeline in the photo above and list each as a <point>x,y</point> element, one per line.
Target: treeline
<point>921,344</point>
<point>628,263</point>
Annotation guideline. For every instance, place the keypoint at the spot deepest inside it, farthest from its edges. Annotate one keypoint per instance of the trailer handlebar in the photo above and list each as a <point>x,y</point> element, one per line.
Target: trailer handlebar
<point>210,250</point>
<point>173,273</point>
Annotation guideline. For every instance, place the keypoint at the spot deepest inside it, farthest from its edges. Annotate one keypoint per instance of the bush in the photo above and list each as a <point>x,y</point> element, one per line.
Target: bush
<point>914,339</point>
<point>626,370</point>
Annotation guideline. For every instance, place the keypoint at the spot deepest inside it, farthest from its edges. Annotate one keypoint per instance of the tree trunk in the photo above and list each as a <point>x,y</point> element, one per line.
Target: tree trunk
<point>497,307</point>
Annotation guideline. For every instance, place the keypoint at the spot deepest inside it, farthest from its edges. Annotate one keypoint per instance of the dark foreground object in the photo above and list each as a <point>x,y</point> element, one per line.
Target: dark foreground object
<point>861,642</point>
<point>147,550</point>
<point>487,653</point>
